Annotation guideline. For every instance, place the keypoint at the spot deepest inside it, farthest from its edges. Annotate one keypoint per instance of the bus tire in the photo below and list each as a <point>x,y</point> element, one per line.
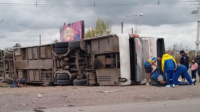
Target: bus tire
<point>60,50</point>
<point>74,44</point>
<point>64,82</point>
<point>63,77</point>
<point>80,82</point>
<point>61,45</point>
<point>8,79</point>
<point>8,52</point>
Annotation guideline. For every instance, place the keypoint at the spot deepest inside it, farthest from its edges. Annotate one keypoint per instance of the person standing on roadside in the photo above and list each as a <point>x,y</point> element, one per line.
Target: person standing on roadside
<point>194,67</point>
<point>184,61</point>
<point>168,66</point>
<point>197,60</point>
<point>148,67</point>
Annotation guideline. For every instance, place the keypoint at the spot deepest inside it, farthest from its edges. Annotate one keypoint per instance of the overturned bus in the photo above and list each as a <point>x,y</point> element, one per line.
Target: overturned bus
<point>106,60</point>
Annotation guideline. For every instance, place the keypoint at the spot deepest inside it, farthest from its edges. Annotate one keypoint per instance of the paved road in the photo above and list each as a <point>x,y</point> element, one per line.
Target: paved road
<point>186,105</point>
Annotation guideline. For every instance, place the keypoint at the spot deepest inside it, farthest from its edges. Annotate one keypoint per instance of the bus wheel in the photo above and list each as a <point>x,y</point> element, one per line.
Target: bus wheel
<point>80,82</point>
<point>60,50</point>
<point>8,79</point>
<point>64,82</point>
<point>8,52</point>
<point>61,45</point>
<point>74,44</point>
<point>63,77</point>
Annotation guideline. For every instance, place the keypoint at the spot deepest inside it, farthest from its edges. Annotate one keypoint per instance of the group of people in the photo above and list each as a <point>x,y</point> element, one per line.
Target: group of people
<point>171,70</point>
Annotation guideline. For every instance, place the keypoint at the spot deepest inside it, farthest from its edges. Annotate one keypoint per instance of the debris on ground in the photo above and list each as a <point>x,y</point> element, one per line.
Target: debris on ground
<point>39,96</point>
<point>111,91</point>
<point>39,109</point>
<point>170,98</point>
<point>71,106</point>
<point>66,96</point>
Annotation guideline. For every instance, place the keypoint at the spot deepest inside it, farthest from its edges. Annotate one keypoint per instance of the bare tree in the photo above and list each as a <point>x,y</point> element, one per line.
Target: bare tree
<point>176,47</point>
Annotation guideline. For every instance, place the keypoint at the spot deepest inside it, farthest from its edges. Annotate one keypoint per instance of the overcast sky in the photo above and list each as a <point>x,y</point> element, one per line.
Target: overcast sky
<point>22,20</point>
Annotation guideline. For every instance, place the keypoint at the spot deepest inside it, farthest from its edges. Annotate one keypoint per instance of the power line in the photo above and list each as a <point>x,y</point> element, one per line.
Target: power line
<point>100,4</point>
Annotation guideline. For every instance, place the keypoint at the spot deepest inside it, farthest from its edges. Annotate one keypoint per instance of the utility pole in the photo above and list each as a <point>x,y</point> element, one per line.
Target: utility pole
<point>122,23</point>
<point>198,25</point>
<point>132,30</point>
<point>197,41</point>
<point>174,50</point>
<point>39,39</point>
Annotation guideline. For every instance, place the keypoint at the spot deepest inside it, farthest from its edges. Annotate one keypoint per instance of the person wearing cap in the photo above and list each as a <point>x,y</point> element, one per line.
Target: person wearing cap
<point>184,61</point>
<point>147,65</point>
<point>168,66</point>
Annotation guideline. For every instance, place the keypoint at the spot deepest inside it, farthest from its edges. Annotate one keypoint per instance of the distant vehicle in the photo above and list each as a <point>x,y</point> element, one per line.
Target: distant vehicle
<point>106,60</point>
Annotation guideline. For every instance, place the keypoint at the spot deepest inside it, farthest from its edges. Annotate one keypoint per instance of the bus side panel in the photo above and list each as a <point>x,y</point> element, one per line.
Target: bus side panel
<point>108,76</point>
<point>145,45</point>
<point>124,59</point>
<point>139,63</point>
<point>149,51</point>
<point>133,59</point>
<point>160,50</point>
<point>34,63</point>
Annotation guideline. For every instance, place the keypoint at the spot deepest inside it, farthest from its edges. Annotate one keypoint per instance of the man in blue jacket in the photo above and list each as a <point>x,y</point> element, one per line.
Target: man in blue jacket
<point>182,69</point>
<point>168,66</point>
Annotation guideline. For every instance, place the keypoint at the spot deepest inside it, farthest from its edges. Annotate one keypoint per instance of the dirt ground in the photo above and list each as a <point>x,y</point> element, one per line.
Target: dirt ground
<point>33,98</point>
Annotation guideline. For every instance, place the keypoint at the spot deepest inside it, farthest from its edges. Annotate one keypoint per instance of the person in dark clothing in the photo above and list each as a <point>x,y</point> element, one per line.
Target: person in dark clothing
<point>184,61</point>
<point>197,60</point>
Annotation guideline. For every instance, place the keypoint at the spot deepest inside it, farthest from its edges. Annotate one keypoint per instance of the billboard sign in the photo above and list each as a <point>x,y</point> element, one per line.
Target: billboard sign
<point>72,31</point>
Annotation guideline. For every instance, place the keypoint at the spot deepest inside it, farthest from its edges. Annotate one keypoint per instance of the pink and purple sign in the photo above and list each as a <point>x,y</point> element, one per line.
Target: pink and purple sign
<point>72,31</point>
